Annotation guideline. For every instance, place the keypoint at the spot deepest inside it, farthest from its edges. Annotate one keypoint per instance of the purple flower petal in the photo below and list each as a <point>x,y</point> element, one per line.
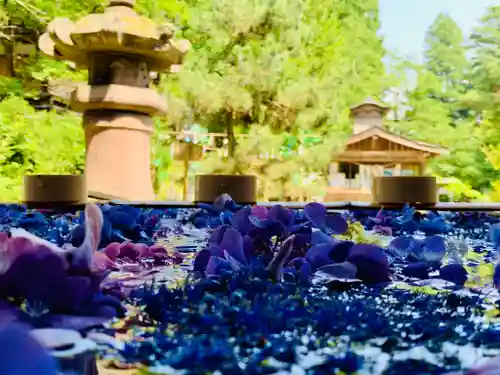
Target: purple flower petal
<point>215,265</point>
<point>215,251</point>
<point>212,266</point>
<point>112,250</point>
<point>233,244</point>
<point>258,222</point>
<point>201,261</point>
<point>81,257</point>
<point>157,249</point>
<point>128,250</point>
<point>4,238</point>
<point>336,223</point>
<point>401,243</point>
<point>282,214</point>
<point>46,271</point>
<point>77,323</point>
<point>341,251</point>
<point>319,255</point>
<point>260,212</point>
<point>303,235</point>
<point>266,228</point>
<point>418,270</point>
<point>20,245</point>
<point>18,346</point>
<point>345,270</point>
<point>275,267</point>
<point>319,237</point>
<point>9,314</point>
<point>303,269</point>
<point>305,272</point>
<point>241,222</point>
<point>248,246</point>
<point>217,235</point>
<point>492,367</point>
<point>371,261</point>
<point>316,213</point>
<point>290,274</point>
<point>71,294</point>
<point>496,276</point>
<point>235,265</point>
<point>328,252</point>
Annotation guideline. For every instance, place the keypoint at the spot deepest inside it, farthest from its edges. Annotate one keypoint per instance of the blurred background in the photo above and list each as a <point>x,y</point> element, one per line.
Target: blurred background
<point>318,97</point>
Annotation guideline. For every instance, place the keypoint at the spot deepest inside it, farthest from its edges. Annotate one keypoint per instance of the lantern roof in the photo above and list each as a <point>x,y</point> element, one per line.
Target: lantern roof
<point>369,102</point>
<point>119,30</point>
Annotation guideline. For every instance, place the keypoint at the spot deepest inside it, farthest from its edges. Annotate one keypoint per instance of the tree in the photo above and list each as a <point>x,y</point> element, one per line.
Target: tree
<point>33,141</point>
<point>486,72</point>
<point>284,73</point>
<point>486,78</point>
<point>440,111</point>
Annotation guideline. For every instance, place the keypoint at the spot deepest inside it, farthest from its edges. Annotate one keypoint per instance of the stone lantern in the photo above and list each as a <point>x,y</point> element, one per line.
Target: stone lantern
<point>368,114</point>
<point>120,49</point>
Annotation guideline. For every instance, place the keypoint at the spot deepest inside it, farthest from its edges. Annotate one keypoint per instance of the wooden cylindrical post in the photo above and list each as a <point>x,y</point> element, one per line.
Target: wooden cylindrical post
<point>55,190</point>
<point>243,189</point>
<point>398,190</point>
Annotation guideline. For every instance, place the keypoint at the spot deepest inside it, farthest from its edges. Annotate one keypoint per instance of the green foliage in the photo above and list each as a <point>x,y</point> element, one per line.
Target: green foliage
<point>30,143</point>
<point>276,70</point>
<point>282,75</point>
<point>461,192</point>
<point>442,110</point>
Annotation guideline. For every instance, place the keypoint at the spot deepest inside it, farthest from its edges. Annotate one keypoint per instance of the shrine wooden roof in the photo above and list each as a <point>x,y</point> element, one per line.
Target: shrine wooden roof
<point>377,145</point>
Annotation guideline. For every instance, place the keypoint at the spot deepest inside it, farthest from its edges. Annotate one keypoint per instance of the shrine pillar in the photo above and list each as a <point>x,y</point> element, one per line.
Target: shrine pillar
<point>121,50</point>
<point>397,170</point>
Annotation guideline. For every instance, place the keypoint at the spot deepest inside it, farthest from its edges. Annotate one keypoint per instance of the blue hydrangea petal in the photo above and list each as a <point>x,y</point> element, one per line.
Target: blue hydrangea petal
<point>417,270</point>
<point>494,234</point>
<point>434,249</point>
<point>456,273</point>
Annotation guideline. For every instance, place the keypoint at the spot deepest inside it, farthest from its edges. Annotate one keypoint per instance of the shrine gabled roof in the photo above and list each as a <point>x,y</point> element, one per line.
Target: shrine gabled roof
<point>382,133</point>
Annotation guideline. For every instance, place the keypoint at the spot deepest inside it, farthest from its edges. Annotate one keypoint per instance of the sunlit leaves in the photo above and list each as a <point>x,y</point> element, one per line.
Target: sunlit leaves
<point>277,69</point>
<point>37,142</point>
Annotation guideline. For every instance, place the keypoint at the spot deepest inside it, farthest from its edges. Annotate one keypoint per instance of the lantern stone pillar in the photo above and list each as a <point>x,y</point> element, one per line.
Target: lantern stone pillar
<point>120,49</point>
<point>368,114</point>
